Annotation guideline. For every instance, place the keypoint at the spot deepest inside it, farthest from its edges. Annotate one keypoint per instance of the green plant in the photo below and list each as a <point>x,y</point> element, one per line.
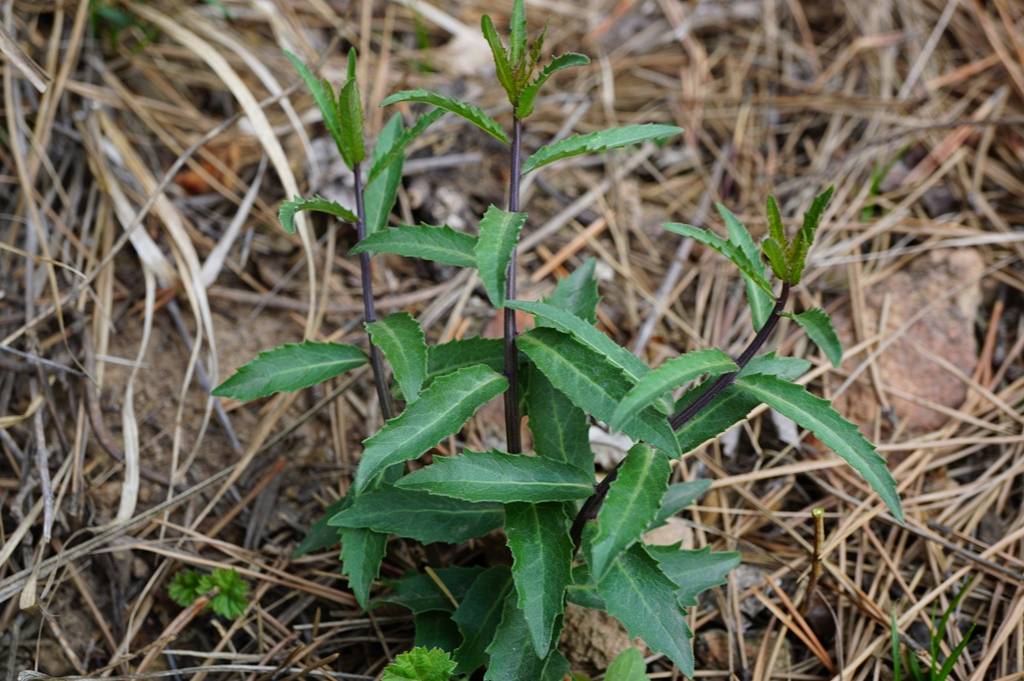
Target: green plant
<point>565,371</point>
<point>227,591</point>
<point>937,670</point>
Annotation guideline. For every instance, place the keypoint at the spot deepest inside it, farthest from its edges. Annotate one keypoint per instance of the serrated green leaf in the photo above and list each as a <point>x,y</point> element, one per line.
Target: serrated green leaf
<point>577,293</point>
<point>321,535</point>
<point>501,477</point>
<point>441,410</point>
<point>818,416</point>
<point>591,382</point>
<point>381,190</point>
<point>362,551</point>
<point>458,354</point>
<point>478,616</point>
<point>538,537</point>
<point>528,97</point>
<point>323,95</point>
<point>501,65</point>
<point>796,254</point>
<point>512,656</point>
<point>436,630</point>
<point>643,599</point>
<point>731,251</point>
<point>818,326</point>
<point>420,594</point>
<point>760,302</point>
<point>517,33</point>
<point>596,142</point>
<point>669,376</point>
<point>317,204</point>
<point>396,148</point>
<point>350,111</point>
<point>232,592</point>
<point>401,339</point>
<point>440,244</point>
<point>467,111</point>
<point>586,334</point>
<point>693,572</point>
<point>499,234</point>
<point>629,665</point>
<point>184,588</point>
<point>777,259</point>
<point>420,664</point>
<point>560,429</point>
<point>731,406</point>
<point>679,496</point>
<point>420,516</point>
<point>776,230</point>
<point>629,509</point>
<point>289,367</point>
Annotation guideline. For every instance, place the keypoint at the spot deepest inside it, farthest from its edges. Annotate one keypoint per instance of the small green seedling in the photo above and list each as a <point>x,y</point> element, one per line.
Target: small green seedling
<point>569,539</point>
<point>230,593</point>
<point>938,669</point>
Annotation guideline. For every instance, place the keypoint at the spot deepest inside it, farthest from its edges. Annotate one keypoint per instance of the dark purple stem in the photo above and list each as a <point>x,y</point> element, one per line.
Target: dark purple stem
<point>592,505</point>
<point>513,437</point>
<point>369,312</point>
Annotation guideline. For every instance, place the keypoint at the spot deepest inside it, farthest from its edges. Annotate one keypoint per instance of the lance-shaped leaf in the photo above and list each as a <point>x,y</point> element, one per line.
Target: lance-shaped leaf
<point>538,537</point>
<point>796,254</point>
<point>586,334</point>
<point>396,147</point>
<point>501,65</point>
<point>592,383</point>
<point>818,326</point>
<point>669,376</point>
<point>629,509</point>
<point>818,416</point>
<point>350,113</point>
<point>528,96</point>
<point>321,535</point>
<point>499,233</point>
<point>471,113</point>
<point>440,244</point>
<point>560,429</point>
<point>595,142</point>
<point>362,551</point>
<point>401,339</point>
<point>289,367</point>
<point>678,497</point>
<point>694,571</point>
<point>316,204</point>
<point>760,302</point>
<point>323,95</point>
<point>629,665</point>
<point>420,516</point>
<point>419,593</point>
<point>381,191</point>
<point>576,293</point>
<point>729,250</point>
<point>643,599</point>
<point>458,354</point>
<point>440,411</point>
<point>478,616</point>
<point>732,405</point>
<point>497,476</point>
<point>517,33</point>
<point>512,656</point>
